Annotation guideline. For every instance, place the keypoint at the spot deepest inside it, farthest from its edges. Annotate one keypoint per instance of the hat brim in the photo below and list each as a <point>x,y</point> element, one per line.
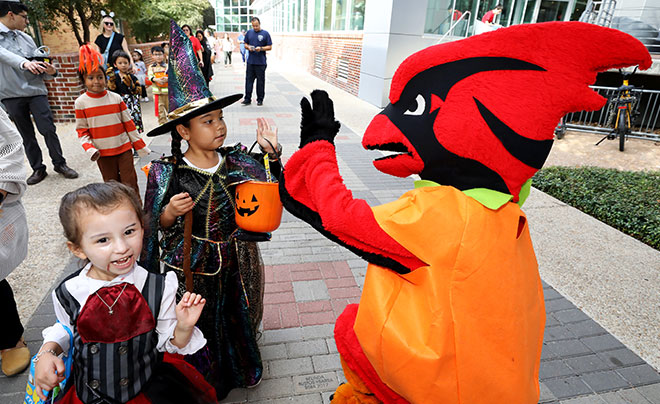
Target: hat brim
<point>167,127</point>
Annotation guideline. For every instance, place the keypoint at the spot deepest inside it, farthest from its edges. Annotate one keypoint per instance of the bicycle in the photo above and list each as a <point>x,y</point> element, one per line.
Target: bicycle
<point>622,109</point>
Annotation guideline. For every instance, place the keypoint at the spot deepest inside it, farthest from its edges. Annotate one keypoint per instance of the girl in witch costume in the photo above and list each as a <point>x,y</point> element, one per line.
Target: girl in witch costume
<point>125,321</point>
<point>225,261</point>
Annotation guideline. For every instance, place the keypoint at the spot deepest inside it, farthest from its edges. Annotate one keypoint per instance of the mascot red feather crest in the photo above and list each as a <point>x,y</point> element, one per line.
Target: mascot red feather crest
<point>452,307</point>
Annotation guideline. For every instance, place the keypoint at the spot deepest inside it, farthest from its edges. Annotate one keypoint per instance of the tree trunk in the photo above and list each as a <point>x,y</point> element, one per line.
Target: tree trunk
<point>74,24</point>
<point>84,19</point>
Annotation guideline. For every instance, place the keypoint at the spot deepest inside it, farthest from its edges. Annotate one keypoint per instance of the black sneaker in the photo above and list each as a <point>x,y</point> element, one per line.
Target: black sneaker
<point>260,103</point>
<point>37,176</point>
<point>66,171</point>
<point>246,102</point>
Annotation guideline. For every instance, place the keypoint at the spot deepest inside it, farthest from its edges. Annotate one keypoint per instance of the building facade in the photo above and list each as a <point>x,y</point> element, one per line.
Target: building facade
<point>358,44</point>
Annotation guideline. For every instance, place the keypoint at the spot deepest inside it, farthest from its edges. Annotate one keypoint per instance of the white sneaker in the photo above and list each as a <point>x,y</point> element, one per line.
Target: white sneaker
<point>145,99</point>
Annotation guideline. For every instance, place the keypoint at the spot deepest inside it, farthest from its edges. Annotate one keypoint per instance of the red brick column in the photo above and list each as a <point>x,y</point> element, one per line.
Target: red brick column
<point>65,88</point>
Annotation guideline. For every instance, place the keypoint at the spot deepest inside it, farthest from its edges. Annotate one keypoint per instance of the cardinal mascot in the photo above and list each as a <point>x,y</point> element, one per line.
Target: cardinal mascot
<point>452,306</point>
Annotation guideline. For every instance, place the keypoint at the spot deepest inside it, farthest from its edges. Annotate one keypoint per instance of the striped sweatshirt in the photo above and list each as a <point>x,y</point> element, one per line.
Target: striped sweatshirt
<point>104,124</point>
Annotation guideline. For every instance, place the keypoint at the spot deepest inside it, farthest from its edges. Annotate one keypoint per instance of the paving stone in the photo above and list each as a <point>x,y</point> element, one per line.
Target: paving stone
<point>651,392</point>
<point>620,358</point>
<point>550,294</point>
<point>324,363</point>
<point>317,382</point>
<point>567,387</point>
<point>271,388</point>
<point>283,335</point>
<point>554,368</point>
<point>318,331</point>
<point>570,316</point>
<point>236,396</point>
<point>288,367</point>
<point>306,348</point>
<point>627,396</point>
<point>546,395</point>
<point>602,343</point>
<point>332,346</point>
<point>639,375</point>
<point>586,328</point>
<point>550,321</point>
<point>12,398</point>
<point>304,399</point>
<point>558,304</point>
<point>566,348</point>
<point>270,352</point>
<point>557,333</point>
<point>604,381</point>
<point>593,399</point>
<point>587,363</point>
<point>310,290</point>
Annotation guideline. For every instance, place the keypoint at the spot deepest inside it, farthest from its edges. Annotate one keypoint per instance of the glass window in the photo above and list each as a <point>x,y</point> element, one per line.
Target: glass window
<point>580,5</point>
<point>327,15</point>
<point>438,16</point>
<point>227,3</point>
<point>318,14</point>
<point>357,15</point>
<point>340,15</point>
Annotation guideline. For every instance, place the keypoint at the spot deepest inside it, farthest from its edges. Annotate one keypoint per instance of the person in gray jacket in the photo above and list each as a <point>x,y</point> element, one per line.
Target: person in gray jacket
<point>13,244</point>
<point>23,91</point>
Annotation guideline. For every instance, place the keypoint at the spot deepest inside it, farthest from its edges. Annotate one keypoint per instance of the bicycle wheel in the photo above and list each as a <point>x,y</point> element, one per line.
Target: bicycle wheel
<point>622,129</point>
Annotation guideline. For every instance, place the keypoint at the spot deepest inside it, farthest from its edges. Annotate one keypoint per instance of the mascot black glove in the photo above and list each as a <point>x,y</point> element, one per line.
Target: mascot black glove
<point>318,122</point>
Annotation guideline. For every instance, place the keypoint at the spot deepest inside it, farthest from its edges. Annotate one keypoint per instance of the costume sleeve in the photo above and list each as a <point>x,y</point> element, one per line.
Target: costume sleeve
<point>312,189</point>
<point>83,130</point>
<point>167,322</point>
<point>56,333</point>
<point>150,73</point>
<point>137,142</point>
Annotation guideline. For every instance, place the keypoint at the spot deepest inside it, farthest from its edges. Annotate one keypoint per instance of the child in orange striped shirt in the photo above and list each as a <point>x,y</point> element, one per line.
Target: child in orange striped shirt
<point>104,125</point>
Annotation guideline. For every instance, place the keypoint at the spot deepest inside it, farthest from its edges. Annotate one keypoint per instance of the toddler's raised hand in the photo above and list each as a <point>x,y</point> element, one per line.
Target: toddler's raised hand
<point>189,309</point>
<point>45,377</point>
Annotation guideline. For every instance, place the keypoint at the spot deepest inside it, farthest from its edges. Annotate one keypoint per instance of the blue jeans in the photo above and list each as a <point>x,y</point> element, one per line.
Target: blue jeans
<point>255,72</point>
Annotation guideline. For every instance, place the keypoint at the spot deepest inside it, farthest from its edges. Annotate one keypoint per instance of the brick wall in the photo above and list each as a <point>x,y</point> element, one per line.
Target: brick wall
<point>332,57</point>
<point>66,87</point>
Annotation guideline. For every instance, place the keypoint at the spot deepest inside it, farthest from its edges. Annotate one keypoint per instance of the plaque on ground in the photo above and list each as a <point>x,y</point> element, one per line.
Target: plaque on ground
<point>316,382</point>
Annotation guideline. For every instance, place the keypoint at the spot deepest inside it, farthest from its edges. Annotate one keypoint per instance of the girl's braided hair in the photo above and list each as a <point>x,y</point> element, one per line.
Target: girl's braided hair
<point>176,144</point>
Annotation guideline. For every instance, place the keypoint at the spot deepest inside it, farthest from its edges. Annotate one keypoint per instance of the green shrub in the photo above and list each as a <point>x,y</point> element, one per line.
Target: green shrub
<point>626,200</point>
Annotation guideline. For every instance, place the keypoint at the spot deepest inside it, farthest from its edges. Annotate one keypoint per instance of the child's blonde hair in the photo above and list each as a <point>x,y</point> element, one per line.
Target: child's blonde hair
<point>101,197</point>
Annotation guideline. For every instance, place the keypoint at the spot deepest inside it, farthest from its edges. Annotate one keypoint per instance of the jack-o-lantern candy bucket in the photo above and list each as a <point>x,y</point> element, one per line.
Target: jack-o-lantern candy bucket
<point>258,206</point>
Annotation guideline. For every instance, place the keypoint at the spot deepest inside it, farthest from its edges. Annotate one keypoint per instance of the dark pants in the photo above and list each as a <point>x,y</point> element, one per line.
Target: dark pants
<point>12,329</point>
<point>119,168</point>
<point>255,72</point>
<point>19,110</point>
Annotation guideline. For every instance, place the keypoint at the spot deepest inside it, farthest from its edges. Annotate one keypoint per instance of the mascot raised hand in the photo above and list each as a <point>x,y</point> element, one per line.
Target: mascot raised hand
<point>452,306</point>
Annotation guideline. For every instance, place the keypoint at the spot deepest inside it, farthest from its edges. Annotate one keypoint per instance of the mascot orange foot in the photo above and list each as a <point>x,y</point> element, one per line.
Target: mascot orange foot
<point>452,308</point>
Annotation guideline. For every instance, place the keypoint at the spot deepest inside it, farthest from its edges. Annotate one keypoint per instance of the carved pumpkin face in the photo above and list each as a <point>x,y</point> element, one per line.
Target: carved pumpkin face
<point>244,208</point>
<point>258,206</point>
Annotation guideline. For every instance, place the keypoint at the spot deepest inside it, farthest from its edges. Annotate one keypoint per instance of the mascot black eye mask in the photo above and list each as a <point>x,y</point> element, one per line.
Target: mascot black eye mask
<point>452,308</point>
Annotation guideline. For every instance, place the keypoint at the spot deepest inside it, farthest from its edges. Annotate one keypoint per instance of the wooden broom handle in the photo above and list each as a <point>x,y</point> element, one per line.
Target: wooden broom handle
<point>187,244</point>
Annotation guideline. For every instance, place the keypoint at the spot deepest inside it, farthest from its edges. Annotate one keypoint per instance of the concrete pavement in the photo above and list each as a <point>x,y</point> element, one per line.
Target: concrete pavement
<point>309,280</point>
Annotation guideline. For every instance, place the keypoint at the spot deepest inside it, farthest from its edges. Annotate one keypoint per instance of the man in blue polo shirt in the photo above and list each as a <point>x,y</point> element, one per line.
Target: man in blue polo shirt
<point>257,42</point>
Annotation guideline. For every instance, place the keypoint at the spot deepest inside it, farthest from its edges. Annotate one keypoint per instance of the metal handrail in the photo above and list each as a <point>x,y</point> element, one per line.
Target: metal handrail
<point>451,28</point>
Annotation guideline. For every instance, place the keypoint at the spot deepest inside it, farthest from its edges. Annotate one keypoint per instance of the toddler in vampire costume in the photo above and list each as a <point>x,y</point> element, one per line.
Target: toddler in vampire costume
<point>127,327</point>
<point>452,307</point>
<point>225,261</point>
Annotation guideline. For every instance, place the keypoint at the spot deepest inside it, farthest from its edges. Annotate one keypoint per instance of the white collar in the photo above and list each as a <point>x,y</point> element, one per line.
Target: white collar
<point>3,28</point>
<point>96,284</point>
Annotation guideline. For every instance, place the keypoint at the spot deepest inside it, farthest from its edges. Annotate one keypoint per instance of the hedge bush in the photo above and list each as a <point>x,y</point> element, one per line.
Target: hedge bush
<point>626,200</point>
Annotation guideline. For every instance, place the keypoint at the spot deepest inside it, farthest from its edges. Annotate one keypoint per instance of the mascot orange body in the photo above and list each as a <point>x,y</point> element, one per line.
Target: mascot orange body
<point>452,307</point>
